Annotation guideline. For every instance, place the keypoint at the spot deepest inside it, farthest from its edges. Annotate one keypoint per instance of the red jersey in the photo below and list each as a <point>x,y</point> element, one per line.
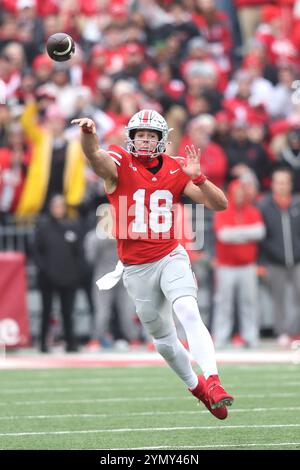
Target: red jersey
<point>245,218</point>
<point>143,206</point>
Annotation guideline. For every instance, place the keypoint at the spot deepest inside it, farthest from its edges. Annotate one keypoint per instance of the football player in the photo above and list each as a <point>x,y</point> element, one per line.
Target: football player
<point>143,184</point>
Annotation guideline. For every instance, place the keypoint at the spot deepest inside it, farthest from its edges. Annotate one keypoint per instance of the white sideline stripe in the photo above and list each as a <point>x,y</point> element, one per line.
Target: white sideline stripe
<point>142,399</point>
<point>223,357</point>
<point>207,446</point>
<point>40,366</point>
<point>127,384</point>
<point>116,161</point>
<point>175,428</point>
<point>111,152</point>
<point>145,413</point>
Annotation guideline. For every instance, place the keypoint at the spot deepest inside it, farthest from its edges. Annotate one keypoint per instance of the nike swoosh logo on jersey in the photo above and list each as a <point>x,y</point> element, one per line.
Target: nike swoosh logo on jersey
<point>174,171</point>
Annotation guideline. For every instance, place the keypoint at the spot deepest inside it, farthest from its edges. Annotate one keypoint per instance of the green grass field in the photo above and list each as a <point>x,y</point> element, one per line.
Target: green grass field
<point>147,408</point>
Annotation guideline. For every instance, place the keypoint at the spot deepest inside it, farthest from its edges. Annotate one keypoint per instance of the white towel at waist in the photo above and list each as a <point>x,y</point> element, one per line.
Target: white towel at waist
<point>109,280</point>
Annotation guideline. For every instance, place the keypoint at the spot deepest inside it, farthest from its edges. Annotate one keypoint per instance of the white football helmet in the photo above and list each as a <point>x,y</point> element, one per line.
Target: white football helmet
<point>150,120</point>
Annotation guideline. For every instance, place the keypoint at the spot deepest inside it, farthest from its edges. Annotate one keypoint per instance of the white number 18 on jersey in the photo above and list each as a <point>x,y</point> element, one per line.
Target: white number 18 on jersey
<point>157,211</point>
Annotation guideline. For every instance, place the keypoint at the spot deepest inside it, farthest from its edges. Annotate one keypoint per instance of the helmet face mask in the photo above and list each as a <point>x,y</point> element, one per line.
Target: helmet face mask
<point>149,120</point>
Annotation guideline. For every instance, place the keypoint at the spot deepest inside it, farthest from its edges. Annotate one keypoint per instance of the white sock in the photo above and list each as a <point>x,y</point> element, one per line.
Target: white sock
<point>171,349</point>
<point>198,337</point>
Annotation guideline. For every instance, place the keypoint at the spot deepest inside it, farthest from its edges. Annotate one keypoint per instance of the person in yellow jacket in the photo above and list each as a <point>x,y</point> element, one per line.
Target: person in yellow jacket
<point>57,166</point>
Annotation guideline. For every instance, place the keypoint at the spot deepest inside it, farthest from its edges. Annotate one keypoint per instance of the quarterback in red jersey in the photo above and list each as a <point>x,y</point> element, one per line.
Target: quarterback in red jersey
<point>143,185</point>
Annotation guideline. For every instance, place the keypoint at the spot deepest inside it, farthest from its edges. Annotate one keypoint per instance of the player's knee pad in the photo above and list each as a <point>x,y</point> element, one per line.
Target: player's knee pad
<point>167,346</point>
<point>165,350</point>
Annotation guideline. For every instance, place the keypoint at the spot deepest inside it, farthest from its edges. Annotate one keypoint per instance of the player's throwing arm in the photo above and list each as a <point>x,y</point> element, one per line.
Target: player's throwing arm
<point>99,159</point>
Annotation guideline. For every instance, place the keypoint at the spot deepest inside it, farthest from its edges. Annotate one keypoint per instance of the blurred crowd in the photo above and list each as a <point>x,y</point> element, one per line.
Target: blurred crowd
<point>224,73</point>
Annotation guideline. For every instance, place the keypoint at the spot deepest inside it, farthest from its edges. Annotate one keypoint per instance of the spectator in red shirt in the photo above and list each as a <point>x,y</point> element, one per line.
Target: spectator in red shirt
<point>213,159</point>
<point>96,67</point>
<point>214,25</point>
<point>238,229</point>
<point>214,164</point>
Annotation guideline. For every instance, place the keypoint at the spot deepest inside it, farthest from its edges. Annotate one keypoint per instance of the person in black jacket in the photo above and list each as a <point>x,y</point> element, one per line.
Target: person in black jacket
<point>290,157</point>
<point>281,252</point>
<point>58,255</point>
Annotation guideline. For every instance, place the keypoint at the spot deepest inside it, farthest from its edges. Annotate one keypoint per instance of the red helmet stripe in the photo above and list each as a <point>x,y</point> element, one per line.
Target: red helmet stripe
<point>145,116</point>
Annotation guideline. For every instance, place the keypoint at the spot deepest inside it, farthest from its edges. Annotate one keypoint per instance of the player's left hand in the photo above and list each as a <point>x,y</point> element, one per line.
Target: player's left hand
<point>191,165</point>
<point>85,124</point>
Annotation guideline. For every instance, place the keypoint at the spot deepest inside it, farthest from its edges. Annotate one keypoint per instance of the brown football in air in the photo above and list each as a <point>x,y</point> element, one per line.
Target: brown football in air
<point>60,47</point>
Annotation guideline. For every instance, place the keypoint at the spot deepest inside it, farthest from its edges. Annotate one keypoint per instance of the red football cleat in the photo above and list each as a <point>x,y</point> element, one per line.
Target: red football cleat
<point>217,396</point>
<point>200,392</point>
